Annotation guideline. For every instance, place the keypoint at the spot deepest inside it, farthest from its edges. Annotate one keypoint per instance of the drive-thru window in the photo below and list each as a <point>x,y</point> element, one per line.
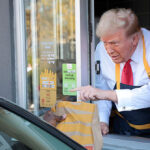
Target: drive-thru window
<point>55,42</point>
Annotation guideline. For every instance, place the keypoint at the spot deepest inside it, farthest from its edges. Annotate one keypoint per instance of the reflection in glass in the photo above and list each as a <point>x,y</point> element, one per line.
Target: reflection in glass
<point>54,26</point>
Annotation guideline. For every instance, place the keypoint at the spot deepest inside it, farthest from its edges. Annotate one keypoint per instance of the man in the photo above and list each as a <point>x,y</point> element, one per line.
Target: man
<point>124,56</point>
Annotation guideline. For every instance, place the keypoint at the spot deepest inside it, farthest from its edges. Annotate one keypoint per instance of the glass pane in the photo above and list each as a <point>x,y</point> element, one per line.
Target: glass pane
<point>51,56</point>
<point>7,142</point>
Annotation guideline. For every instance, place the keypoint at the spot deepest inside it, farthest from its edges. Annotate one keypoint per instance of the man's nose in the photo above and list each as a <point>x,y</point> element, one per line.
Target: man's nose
<point>107,46</point>
<point>109,50</point>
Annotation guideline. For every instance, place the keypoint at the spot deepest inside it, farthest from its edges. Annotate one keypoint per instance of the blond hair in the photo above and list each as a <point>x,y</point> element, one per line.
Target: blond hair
<point>114,19</point>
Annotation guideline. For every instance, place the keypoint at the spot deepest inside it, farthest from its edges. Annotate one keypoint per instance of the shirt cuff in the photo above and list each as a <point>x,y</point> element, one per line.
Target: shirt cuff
<point>124,97</point>
<point>103,117</point>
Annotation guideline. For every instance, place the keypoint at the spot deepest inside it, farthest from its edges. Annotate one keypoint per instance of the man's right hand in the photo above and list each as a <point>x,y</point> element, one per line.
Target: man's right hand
<point>104,128</point>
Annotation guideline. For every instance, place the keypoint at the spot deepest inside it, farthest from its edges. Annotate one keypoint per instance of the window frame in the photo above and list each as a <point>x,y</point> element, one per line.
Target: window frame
<point>82,51</point>
<point>20,53</point>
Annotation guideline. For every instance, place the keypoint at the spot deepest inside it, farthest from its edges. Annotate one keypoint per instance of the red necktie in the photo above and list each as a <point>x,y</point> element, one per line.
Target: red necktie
<point>127,75</point>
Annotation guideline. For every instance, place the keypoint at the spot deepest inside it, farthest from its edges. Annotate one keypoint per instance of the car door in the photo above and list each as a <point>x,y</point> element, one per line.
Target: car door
<point>21,130</point>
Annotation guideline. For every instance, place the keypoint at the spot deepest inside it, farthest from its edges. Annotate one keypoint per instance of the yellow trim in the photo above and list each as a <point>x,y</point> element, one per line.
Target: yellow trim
<point>75,128</point>
<point>83,140</point>
<point>147,67</point>
<point>86,118</point>
<point>117,70</point>
<point>139,127</point>
<point>87,108</point>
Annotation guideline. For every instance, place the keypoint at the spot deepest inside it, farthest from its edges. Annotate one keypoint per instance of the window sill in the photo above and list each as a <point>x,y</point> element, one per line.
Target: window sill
<point>122,142</point>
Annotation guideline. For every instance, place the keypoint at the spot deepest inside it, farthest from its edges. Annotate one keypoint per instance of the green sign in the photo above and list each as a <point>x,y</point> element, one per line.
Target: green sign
<point>69,78</point>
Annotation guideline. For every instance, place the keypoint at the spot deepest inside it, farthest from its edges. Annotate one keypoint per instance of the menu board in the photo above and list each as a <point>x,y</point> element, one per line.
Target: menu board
<point>47,89</point>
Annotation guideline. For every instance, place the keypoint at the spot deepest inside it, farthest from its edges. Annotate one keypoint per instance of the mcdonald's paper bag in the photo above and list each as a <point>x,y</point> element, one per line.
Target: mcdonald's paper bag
<point>82,123</point>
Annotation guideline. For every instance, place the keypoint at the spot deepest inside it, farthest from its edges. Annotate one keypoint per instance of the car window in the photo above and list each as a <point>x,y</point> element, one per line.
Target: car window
<point>21,128</point>
<point>27,133</point>
<point>9,143</point>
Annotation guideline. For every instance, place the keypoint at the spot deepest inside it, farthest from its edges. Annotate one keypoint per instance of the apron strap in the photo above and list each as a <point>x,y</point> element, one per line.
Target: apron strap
<point>147,67</point>
<point>117,71</point>
<point>138,127</point>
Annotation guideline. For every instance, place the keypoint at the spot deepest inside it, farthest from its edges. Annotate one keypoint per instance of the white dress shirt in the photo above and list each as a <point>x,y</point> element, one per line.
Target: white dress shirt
<point>127,99</point>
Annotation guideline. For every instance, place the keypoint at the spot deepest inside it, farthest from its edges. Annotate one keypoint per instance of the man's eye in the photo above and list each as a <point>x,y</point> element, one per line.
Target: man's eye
<point>115,43</point>
<point>112,43</point>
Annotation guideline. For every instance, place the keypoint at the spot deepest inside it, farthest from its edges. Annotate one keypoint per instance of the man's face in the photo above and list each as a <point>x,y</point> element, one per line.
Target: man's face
<point>119,46</point>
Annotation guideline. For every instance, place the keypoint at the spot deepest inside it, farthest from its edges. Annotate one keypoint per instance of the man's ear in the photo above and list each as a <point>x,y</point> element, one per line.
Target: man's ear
<point>135,39</point>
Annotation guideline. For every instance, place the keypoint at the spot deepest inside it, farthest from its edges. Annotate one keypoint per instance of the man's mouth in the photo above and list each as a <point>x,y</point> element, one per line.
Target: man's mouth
<point>115,57</point>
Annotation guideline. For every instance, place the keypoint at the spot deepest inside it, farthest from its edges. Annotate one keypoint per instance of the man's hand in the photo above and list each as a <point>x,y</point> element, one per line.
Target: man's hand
<point>104,128</point>
<point>91,93</point>
<point>52,119</point>
<point>86,92</point>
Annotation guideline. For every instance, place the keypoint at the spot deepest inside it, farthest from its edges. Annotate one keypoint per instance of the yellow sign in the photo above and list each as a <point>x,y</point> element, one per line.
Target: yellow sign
<point>47,88</point>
